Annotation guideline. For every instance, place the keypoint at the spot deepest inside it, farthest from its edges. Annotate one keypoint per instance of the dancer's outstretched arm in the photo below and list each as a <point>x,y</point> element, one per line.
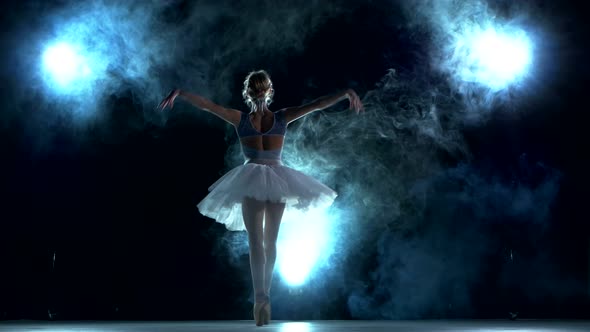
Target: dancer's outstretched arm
<point>294,113</point>
<point>230,115</point>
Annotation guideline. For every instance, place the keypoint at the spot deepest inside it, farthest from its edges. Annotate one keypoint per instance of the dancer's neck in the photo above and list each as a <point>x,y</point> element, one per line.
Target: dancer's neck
<point>259,107</point>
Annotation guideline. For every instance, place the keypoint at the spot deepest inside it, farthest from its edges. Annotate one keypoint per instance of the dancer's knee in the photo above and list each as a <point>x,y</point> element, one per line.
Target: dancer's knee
<point>270,251</point>
<point>256,245</point>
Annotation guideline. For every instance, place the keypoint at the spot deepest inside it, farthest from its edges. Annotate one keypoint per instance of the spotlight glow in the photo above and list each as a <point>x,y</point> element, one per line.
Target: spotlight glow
<point>296,327</point>
<point>491,57</point>
<point>64,64</point>
<point>303,241</point>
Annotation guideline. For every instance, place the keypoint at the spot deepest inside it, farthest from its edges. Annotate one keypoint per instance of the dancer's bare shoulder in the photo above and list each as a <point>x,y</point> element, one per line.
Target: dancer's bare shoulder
<point>230,115</point>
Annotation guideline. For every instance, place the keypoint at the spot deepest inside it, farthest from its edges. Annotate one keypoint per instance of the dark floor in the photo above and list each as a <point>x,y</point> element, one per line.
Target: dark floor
<point>311,326</point>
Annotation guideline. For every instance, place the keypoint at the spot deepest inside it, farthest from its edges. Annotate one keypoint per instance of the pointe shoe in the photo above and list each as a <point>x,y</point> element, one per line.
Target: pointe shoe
<point>257,312</point>
<point>267,311</point>
<point>261,312</point>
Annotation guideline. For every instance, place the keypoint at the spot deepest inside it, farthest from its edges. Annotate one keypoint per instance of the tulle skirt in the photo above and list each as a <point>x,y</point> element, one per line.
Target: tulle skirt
<point>264,180</point>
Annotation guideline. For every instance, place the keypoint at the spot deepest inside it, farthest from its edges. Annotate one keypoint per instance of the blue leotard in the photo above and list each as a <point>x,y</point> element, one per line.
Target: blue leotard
<point>246,129</point>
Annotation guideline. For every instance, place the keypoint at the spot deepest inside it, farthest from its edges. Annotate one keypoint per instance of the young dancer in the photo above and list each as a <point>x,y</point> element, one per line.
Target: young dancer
<point>254,196</point>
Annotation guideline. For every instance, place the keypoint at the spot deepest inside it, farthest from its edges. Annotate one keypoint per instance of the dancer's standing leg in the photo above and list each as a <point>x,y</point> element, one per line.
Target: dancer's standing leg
<point>253,213</point>
<point>273,213</point>
<point>272,221</point>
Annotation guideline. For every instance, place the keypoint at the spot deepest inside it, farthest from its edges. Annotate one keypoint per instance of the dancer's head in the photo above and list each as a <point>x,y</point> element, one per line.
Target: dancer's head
<point>257,89</point>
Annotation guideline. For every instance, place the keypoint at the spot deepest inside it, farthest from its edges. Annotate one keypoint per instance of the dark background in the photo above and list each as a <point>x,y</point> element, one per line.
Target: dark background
<point>116,202</point>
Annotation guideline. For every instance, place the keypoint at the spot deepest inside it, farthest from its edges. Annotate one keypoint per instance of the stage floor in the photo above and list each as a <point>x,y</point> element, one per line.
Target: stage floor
<point>303,326</point>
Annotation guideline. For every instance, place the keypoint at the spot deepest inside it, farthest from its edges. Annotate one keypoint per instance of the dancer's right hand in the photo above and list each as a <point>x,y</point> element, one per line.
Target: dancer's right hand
<point>355,101</point>
<point>169,100</point>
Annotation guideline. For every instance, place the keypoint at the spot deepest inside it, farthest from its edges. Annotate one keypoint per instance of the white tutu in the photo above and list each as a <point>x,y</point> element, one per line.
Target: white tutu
<point>264,181</point>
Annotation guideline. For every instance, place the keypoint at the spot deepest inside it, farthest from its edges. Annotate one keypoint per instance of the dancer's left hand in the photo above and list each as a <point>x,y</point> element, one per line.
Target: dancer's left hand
<point>169,100</point>
<point>355,101</point>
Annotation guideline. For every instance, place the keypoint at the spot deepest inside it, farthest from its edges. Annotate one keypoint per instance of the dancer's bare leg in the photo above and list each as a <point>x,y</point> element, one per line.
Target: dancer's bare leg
<point>253,213</point>
<point>272,222</point>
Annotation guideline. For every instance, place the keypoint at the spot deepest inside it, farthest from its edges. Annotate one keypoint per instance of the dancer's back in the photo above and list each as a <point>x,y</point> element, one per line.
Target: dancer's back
<point>262,136</point>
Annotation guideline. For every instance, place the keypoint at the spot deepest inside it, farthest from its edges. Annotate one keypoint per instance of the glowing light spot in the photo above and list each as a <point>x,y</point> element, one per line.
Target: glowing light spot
<point>493,58</point>
<point>64,64</point>
<point>303,241</point>
<point>296,327</point>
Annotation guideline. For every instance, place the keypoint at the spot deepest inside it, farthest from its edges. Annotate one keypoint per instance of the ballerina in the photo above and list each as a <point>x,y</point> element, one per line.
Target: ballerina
<point>254,196</point>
